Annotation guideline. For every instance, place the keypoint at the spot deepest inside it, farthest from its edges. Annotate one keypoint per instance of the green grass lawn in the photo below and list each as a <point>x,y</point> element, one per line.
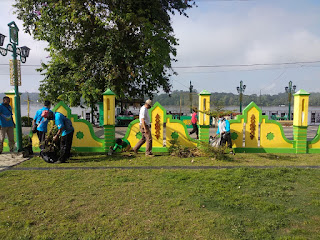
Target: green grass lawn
<point>241,159</point>
<point>241,203</point>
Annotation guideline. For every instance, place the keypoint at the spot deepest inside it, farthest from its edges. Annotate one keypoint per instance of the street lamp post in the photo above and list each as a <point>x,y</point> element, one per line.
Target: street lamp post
<point>290,90</point>
<point>241,91</point>
<point>23,53</point>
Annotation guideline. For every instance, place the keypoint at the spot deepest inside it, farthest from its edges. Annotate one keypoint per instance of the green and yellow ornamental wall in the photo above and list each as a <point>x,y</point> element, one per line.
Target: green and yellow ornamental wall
<point>251,132</point>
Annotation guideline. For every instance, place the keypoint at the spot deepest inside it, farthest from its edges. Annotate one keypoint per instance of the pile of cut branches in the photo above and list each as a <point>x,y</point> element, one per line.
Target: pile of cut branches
<point>202,150</point>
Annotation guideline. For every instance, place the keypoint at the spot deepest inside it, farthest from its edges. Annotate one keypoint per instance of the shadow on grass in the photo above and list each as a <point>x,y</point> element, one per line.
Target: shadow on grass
<point>99,157</point>
<point>271,156</point>
<point>225,158</point>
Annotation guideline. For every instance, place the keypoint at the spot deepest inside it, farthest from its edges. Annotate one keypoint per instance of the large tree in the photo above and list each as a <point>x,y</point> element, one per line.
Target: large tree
<point>124,45</point>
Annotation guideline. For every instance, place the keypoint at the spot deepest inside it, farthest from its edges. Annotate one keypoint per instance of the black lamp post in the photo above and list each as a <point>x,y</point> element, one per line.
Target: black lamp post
<point>290,90</point>
<point>23,53</point>
<point>2,37</point>
<point>241,91</point>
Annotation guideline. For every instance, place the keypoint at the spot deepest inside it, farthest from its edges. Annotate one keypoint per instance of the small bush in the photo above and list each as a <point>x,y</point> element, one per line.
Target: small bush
<point>49,144</point>
<point>181,151</point>
<point>26,141</point>
<point>219,153</point>
<point>26,122</point>
<point>203,150</point>
<point>27,146</point>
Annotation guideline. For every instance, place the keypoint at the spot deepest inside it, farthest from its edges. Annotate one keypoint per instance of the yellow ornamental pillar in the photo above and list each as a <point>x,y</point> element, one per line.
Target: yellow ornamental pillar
<point>204,105</point>
<point>11,94</point>
<point>204,119</point>
<point>109,118</point>
<point>300,120</point>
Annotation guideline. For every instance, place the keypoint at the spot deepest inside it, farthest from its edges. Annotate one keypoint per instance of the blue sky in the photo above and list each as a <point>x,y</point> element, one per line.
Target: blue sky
<point>222,33</point>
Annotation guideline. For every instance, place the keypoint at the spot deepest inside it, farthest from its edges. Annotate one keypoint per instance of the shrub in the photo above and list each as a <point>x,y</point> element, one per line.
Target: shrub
<point>25,122</point>
<point>203,150</point>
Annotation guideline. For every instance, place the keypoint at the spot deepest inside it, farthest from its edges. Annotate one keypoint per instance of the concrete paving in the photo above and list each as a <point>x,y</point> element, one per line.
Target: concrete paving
<point>8,160</point>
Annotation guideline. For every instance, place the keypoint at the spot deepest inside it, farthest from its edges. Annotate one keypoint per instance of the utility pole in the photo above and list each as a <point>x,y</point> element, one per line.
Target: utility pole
<point>28,102</point>
<point>180,105</point>
<point>190,96</point>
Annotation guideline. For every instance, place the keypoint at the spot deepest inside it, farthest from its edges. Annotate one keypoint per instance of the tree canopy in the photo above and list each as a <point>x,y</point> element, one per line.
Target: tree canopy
<point>230,99</point>
<point>124,45</point>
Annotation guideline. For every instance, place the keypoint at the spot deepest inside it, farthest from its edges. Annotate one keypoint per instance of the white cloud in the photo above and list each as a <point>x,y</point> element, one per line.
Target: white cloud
<point>252,33</point>
<point>260,35</point>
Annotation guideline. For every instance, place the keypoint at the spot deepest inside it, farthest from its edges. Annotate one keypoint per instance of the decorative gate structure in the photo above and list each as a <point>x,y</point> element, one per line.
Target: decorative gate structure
<point>253,132</point>
<point>250,132</point>
<point>174,130</point>
<point>84,138</point>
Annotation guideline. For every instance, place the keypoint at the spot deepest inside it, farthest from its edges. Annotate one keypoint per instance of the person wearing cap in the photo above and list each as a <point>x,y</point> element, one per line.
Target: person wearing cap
<point>40,123</point>
<point>145,129</point>
<point>66,130</point>
<point>6,124</point>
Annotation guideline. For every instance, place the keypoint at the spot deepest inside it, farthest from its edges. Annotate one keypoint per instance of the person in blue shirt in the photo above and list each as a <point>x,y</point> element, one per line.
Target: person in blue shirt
<point>6,124</point>
<point>40,123</point>
<point>66,130</point>
<point>224,131</point>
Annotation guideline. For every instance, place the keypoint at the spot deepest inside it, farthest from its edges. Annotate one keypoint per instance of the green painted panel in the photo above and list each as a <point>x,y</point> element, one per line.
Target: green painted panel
<point>314,150</point>
<point>89,149</point>
<point>154,149</point>
<point>264,150</point>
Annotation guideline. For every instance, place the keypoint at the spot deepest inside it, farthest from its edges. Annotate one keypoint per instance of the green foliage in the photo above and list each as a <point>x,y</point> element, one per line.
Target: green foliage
<point>216,153</point>
<point>178,150</point>
<point>127,46</point>
<point>50,145</point>
<point>26,122</point>
<point>230,99</point>
<point>203,150</point>
<point>26,141</point>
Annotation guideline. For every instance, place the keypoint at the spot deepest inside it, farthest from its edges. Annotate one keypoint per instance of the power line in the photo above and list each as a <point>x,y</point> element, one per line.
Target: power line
<point>248,65</point>
<point>22,65</point>
<point>248,70</point>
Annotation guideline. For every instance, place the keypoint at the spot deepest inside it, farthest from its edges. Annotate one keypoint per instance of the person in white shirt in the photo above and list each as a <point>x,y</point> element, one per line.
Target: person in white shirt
<point>145,129</point>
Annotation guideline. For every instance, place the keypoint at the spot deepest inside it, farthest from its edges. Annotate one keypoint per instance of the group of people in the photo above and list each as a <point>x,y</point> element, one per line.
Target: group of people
<point>223,129</point>
<point>39,126</point>
<point>66,130</point>
<point>64,134</point>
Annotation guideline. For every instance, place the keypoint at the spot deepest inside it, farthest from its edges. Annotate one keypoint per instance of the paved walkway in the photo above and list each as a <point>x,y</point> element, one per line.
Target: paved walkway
<point>10,159</point>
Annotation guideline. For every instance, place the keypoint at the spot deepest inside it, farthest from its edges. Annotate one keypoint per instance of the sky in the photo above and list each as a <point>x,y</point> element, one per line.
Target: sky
<point>264,43</point>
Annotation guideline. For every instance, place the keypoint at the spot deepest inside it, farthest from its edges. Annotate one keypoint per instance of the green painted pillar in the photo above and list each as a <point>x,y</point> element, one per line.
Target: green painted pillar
<point>109,119</point>
<point>109,136</point>
<point>300,138</point>
<point>204,134</point>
